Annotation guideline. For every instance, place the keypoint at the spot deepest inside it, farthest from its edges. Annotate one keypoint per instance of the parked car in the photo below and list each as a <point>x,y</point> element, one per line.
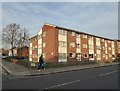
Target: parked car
<point>1,56</point>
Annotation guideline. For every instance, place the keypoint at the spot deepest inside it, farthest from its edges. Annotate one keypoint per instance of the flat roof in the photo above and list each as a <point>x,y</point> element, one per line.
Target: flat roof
<point>74,30</point>
<point>32,37</point>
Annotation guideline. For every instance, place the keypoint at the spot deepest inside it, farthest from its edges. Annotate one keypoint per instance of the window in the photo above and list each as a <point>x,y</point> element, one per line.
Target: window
<point>90,55</point>
<point>44,55</point>
<point>72,33</point>
<point>102,40</point>
<point>98,55</point>
<point>44,44</point>
<point>103,48</point>
<point>62,44</point>
<point>78,45</point>
<point>40,46</point>
<point>35,39</point>
<point>110,55</point>
<point>91,46</point>
<point>113,49</point>
<point>40,36</point>
<point>72,55</point>
<point>44,34</point>
<point>35,47</point>
<point>97,47</point>
<point>89,37</point>
<point>103,55</point>
<point>72,44</point>
<point>85,55</point>
<point>84,36</point>
<point>78,35</point>
<point>62,32</point>
<point>62,55</point>
<point>84,45</point>
<point>109,48</point>
<point>109,41</point>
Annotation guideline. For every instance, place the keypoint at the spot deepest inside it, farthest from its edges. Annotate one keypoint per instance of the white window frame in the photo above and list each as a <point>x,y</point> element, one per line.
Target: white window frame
<point>44,34</point>
<point>72,44</point>
<point>84,36</point>
<point>44,44</point>
<point>84,45</point>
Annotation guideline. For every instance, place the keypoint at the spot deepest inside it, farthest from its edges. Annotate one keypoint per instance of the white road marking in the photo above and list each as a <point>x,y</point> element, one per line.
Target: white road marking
<point>108,73</point>
<point>63,84</point>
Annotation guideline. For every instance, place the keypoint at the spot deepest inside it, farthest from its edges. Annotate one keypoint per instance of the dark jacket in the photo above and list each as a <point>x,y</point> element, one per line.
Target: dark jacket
<point>41,60</point>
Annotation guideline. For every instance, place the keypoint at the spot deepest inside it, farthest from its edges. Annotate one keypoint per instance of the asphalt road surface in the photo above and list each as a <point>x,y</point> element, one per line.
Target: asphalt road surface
<point>94,78</point>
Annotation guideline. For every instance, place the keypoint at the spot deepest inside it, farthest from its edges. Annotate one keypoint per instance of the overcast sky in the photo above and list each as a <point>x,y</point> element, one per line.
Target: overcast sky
<point>98,18</point>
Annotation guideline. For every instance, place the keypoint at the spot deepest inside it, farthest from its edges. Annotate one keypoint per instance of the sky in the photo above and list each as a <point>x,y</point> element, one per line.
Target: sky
<point>97,18</point>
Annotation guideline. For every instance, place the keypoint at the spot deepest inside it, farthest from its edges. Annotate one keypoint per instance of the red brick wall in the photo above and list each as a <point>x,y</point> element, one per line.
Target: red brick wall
<point>102,51</point>
<point>24,51</point>
<point>95,57</point>
<point>116,48</point>
<point>34,43</point>
<point>51,40</point>
<point>109,51</point>
<point>70,39</point>
<point>84,50</point>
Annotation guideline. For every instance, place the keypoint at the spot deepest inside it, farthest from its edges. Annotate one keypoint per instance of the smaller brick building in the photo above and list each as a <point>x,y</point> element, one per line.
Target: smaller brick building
<point>23,51</point>
<point>20,52</point>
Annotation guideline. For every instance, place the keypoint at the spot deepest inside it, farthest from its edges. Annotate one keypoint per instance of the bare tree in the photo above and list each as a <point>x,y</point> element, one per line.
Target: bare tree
<point>23,39</point>
<point>10,34</point>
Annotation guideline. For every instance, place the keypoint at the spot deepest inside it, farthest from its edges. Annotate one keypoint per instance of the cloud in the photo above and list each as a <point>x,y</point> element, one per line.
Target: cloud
<point>94,18</point>
<point>60,0</point>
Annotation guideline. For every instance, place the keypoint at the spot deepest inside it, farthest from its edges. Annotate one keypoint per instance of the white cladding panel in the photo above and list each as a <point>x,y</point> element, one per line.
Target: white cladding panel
<point>30,52</point>
<point>106,51</point>
<point>78,50</point>
<point>105,43</point>
<point>78,40</point>
<point>91,51</point>
<point>62,38</point>
<point>98,51</point>
<point>91,42</point>
<point>62,50</point>
<point>30,59</point>
<point>62,60</point>
<point>40,32</point>
<point>40,41</point>
<point>98,58</point>
<point>113,52</point>
<point>98,41</point>
<point>112,44</point>
<point>30,44</point>
<point>39,51</point>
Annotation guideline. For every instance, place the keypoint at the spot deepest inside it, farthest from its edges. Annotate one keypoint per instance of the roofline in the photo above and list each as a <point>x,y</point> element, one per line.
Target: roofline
<point>74,30</point>
<point>49,24</point>
<point>32,37</point>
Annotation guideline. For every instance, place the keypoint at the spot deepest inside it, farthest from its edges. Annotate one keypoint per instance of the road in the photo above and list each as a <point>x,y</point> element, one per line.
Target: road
<point>94,78</point>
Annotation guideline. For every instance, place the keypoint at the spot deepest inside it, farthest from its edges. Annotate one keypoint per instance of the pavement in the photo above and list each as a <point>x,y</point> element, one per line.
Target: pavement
<point>19,70</point>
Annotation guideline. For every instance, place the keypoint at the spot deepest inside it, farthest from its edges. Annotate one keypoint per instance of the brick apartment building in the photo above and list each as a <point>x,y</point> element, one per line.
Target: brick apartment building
<point>59,44</point>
